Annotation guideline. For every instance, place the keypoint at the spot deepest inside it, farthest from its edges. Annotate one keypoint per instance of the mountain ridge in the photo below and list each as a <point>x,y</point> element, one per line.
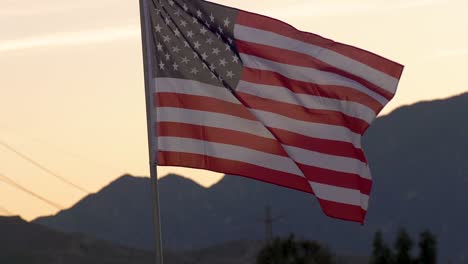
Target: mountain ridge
<point>417,155</point>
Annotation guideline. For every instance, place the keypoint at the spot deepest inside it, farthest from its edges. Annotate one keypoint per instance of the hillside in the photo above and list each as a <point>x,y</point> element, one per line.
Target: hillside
<point>28,243</point>
<point>22,242</point>
<point>418,156</point>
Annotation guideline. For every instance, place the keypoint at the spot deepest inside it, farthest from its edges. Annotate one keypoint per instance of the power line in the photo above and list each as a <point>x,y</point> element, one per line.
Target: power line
<point>16,185</point>
<point>43,168</point>
<point>62,150</point>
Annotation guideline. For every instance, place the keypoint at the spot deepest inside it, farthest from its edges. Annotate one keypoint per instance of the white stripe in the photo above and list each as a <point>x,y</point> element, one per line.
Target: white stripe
<point>285,95</point>
<point>314,130</point>
<point>378,78</point>
<point>210,119</point>
<point>340,195</point>
<point>230,152</point>
<point>308,75</point>
<point>191,87</point>
<point>330,162</point>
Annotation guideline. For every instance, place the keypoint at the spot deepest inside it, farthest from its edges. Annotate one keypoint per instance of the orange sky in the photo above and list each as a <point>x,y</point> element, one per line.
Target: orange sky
<point>71,86</point>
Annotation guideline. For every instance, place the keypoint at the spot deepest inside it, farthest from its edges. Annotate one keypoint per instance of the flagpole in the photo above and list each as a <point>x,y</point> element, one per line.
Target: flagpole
<point>146,37</point>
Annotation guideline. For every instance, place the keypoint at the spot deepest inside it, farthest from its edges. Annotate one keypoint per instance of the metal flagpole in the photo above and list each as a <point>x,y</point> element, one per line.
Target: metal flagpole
<point>147,37</point>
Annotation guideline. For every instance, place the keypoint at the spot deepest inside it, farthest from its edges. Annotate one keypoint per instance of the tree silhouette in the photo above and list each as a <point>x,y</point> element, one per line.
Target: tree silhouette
<point>427,248</point>
<point>290,251</point>
<point>381,253</point>
<point>403,247</point>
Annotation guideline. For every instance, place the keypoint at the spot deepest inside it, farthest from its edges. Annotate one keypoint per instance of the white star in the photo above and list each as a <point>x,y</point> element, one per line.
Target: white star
<point>161,65</point>
<point>204,56</point>
<point>227,22</point>
<point>194,71</point>
<point>203,31</point>
<point>218,35</point>
<point>168,56</point>
<point>209,41</point>
<point>220,29</point>
<point>222,62</point>
<point>216,51</point>
<point>160,47</point>
<point>167,20</point>
<point>194,20</point>
<point>235,59</point>
<point>212,67</point>
<point>175,49</point>
<point>195,55</point>
<point>197,44</point>
<point>167,38</point>
<point>230,74</point>
<point>213,76</point>
<point>171,2</point>
<point>186,44</point>
<point>185,7</point>
<point>183,23</point>
<point>199,13</point>
<point>212,17</point>
<point>207,24</point>
<point>204,66</point>
<point>230,40</point>
<point>185,60</point>
<point>158,28</point>
<point>158,11</point>
<point>177,13</point>
<point>177,32</point>
<point>190,34</point>
<point>175,66</point>
<point>228,47</point>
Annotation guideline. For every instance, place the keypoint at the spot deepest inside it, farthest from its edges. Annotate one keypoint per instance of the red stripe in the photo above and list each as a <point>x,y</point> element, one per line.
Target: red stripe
<point>304,114</point>
<point>336,178</point>
<point>289,138</point>
<point>341,179</point>
<point>220,135</point>
<point>166,158</point>
<point>299,59</point>
<point>300,87</point>
<point>343,211</point>
<point>202,103</point>
<point>326,146</point>
<point>333,209</point>
<point>269,24</point>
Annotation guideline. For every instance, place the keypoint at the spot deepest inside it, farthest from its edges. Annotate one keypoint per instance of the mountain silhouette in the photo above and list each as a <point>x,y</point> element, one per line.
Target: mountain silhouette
<point>419,160</point>
<point>22,242</point>
<point>28,243</point>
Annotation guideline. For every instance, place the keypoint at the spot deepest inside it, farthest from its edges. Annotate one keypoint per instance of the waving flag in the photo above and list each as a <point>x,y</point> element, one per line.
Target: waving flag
<point>244,94</point>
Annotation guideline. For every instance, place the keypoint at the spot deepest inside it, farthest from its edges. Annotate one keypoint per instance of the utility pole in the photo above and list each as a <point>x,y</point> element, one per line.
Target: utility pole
<point>268,222</point>
<point>268,225</point>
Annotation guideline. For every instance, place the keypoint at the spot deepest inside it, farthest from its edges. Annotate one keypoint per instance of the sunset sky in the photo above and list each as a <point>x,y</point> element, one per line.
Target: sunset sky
<point>71,81</point>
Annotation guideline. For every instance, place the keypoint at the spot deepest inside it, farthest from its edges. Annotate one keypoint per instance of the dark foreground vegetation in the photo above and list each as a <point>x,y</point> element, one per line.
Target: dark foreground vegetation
<point>403,249</point>
<point>292,251</point>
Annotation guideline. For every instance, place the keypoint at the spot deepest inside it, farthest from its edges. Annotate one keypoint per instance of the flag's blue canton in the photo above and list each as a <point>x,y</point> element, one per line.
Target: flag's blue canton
<point>194,40</point>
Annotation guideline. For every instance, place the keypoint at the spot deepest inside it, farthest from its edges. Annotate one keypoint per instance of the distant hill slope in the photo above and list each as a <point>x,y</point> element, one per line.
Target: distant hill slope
<point>27,243</point>
<point>22,242</point>
<point>418,156</point>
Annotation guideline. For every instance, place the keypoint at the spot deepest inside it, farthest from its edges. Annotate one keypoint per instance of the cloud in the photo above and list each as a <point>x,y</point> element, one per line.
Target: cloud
<point>419,3</point>
<point>340,7</point>
<point>71,39</point>
<point>443,53</point>
<point>47,7</point>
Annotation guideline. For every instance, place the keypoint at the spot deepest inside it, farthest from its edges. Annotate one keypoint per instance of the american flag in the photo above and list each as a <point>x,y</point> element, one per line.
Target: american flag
<point>244,94</point>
